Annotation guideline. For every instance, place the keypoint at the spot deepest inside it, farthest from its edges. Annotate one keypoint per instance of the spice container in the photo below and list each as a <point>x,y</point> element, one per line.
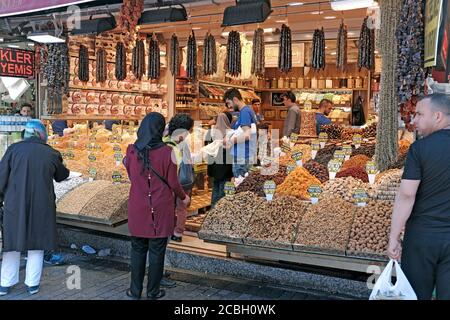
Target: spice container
<point>293,83</point>
<point>358,82</point>
<point>261,82</point>
<point>300,83</point>
<point>329,83</point>
<point>350,83</point>
<point>307,83</point>
<point>314,83</point>
<point>336,82</point>
<point>286,83</point>
<point>280,83</point>
<point>321,83</point>
<point>343,82</point>
<point>274,84</point>
<point>267,83</point>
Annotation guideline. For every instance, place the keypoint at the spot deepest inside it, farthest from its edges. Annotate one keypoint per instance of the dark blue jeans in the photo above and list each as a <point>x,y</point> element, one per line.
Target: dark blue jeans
<point>218,191</point>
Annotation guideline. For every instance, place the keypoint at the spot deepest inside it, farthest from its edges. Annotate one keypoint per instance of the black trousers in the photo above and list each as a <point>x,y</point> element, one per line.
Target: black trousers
<point>156,249</point>
<point>426,263</point>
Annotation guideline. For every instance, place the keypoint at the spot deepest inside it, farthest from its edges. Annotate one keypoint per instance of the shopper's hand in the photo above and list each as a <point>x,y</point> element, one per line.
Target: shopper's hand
<point>187,201</point>
<point>394,250</point>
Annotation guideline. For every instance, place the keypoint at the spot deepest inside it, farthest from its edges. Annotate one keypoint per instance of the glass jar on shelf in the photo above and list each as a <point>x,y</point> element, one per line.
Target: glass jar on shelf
<point>274,83</point>
<point>329,83</point>
<point>358,82</point>
<point>314,83</point>
<point>300,82</point>
<point>280,83</point>
<point>307,83</point>
<point>351,83</point>
<point>293,83</point>
<point>343,83</point>
<point>321,83</point>
<point>267,86</point>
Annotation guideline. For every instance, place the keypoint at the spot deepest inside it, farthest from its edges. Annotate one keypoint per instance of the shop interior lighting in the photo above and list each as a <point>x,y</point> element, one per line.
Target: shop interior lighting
<point>330,18</point>
<point>14,46</point>
<point>293,4</point>
<point>45,38</point>
<point>317,12</point>
<point>342,5</point>
<point>246,11</point>
<point>161,15</point>
<point>95,26</point>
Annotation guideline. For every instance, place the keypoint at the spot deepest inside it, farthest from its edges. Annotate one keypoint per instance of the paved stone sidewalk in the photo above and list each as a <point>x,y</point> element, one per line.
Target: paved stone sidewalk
<point>103,279</point>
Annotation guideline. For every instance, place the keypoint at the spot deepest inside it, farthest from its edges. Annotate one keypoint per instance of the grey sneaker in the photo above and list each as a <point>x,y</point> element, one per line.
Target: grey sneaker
<point>4,290</point>
<point>33,290</point>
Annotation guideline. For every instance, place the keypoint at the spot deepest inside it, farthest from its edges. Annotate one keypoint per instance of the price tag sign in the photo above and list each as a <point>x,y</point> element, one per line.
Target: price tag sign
<point>118,157</point>
<point>307,105</point>
<point>92,173</point>
<point>92,138</point>
<point>297,156</point>
<point>70,155</point>
<point>294,137</point>
<point>90,147</point>
<point>290,168</point>
<point>269,189</point>
<point>323,137</point>
<point>347,150</point>
<point>371,167</point>
<point>334,166</point>
<point>315,145</point>
<point>97,147</point>
<point>357,140</point>
<point>71,145</point>
<point>229,188</point>
<point>53,143</point>
<point>115,131</point>
<point>286,148</point>
<point>339,155</point>
<point>360,196</point>
<point>117,177</point>
<point>314,191</point>
<point>92,158</point>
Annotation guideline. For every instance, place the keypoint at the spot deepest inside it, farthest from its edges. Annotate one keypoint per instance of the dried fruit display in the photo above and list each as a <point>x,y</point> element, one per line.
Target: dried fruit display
<point>386,148</point>
<point>154,65</point>
<point>191,57</point>
<point>61,188</point>
<point>359,160</point>
<point>128,18</point>
<point>57,72</point>
<point>121,61</point>
<point>317,170</point>
<point>407,110</point>
<point>275,223</point>
<point>403,146</point>
<point>326,226</point>
<point>388,184</point>
<point>303,148</point>
<point>347,133</point>
<point>366,149</point>
<point>83,64</point>
<point>366,45</point>
<point>258,56</point>
<point>209,55</point>
<point>234,51</point>
<point>333,130</point>
<point>355,172</point>
<point>308,124</point>
<point>74,201</point>
<point>411,46</point>
<point>370,131</point>
<point>343,188</point>
<point>230,217</point>
<point>285,50</point>
<point>400,163</point>
<point>318,53</point>
<point>101,72</point>
<point>341,50</point>
<point>138,60</point>
<point>109,203</point>
<point>296,184</point>
<point>255,181</point>
<point>369,234</point>
<point>174,58</point>
<point>326,154</point>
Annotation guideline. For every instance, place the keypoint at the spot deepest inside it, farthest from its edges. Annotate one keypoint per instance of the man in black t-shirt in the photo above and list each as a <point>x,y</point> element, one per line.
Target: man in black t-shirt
<point>422,204</point>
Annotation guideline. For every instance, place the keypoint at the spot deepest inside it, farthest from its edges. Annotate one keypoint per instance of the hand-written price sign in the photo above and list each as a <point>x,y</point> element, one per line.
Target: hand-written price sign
<point>90,147</point>
<point>314,190</point>
<point>315,145</point>
<point>371,167</point>
<point>339,155</point>
<point>118,157</point>
<point>290,168</point>
<point>92,173</point>
<point>347,149</point>
<point>117,148</point>
<point>69,155</point>
<point>297,156</point>
<point>116,176</point>
<point>323,137</point>
<point>92,138</point>
<point>357,139</point>
<point>92,158</point>
<point>334,166</point>
<point>360,196</point>
<point>269,189</point>
<point>286,148</point>
<point>229,188</point>
<point>294,137</point>
<point>97,147</point>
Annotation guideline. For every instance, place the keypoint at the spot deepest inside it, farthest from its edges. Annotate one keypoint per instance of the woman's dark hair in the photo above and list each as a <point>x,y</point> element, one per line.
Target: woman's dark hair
<point>289,95</point>
<point>181,121</point>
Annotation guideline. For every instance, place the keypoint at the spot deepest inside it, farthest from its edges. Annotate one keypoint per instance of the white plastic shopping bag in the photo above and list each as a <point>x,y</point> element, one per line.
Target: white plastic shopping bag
<point>385,290</point>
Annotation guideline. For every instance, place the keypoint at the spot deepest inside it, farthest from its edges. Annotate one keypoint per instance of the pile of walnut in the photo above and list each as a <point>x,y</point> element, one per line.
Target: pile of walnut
<point>343,188</point>
<point>231,215</point>
<point>326,225</point>
<point>387,184</point>
<point>277,220</point>
<point>370,229</point>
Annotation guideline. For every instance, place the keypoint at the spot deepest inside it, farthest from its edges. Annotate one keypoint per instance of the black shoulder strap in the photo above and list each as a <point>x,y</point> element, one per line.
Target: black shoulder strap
<point>160,177</point>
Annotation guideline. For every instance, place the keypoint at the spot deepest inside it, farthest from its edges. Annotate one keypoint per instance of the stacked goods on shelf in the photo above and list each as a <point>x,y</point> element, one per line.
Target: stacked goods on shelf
<point>315,97</point>
<point>369,233</point>
<point>99,200</point>
<point>254,182</point>
<point>229,219</point>
<point>317,170</point>
<point>326,226</point>
<point>297,183</point>
<point>274,224</point>
<point>388,184</point>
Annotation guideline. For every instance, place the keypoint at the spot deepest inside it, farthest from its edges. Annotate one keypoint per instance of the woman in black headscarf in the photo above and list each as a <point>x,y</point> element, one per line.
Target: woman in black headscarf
<point>151,211</point>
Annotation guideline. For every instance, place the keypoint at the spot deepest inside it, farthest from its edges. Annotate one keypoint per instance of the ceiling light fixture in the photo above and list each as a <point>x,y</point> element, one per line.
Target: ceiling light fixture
<point>45,38</point>
<point>342,5</point>
<point>14,46</point>
<point>246,11</point>
<point>163,15</point>
<point>333,53</point>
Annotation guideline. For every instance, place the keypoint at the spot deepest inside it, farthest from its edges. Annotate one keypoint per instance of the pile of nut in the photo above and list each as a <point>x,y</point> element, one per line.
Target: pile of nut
<point>343,188</point>
<point>334,131</point>
<point>370,229</point>
<point>61,188</point>
<point>355,172</point>
<point>326,225</point>
<point>297,184</point>
<point>255,181</point>
<point>326,154</point>
<point>231,215</point>
<point>277,220</point>
<point>388,184</point>
<point>317,170</point>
